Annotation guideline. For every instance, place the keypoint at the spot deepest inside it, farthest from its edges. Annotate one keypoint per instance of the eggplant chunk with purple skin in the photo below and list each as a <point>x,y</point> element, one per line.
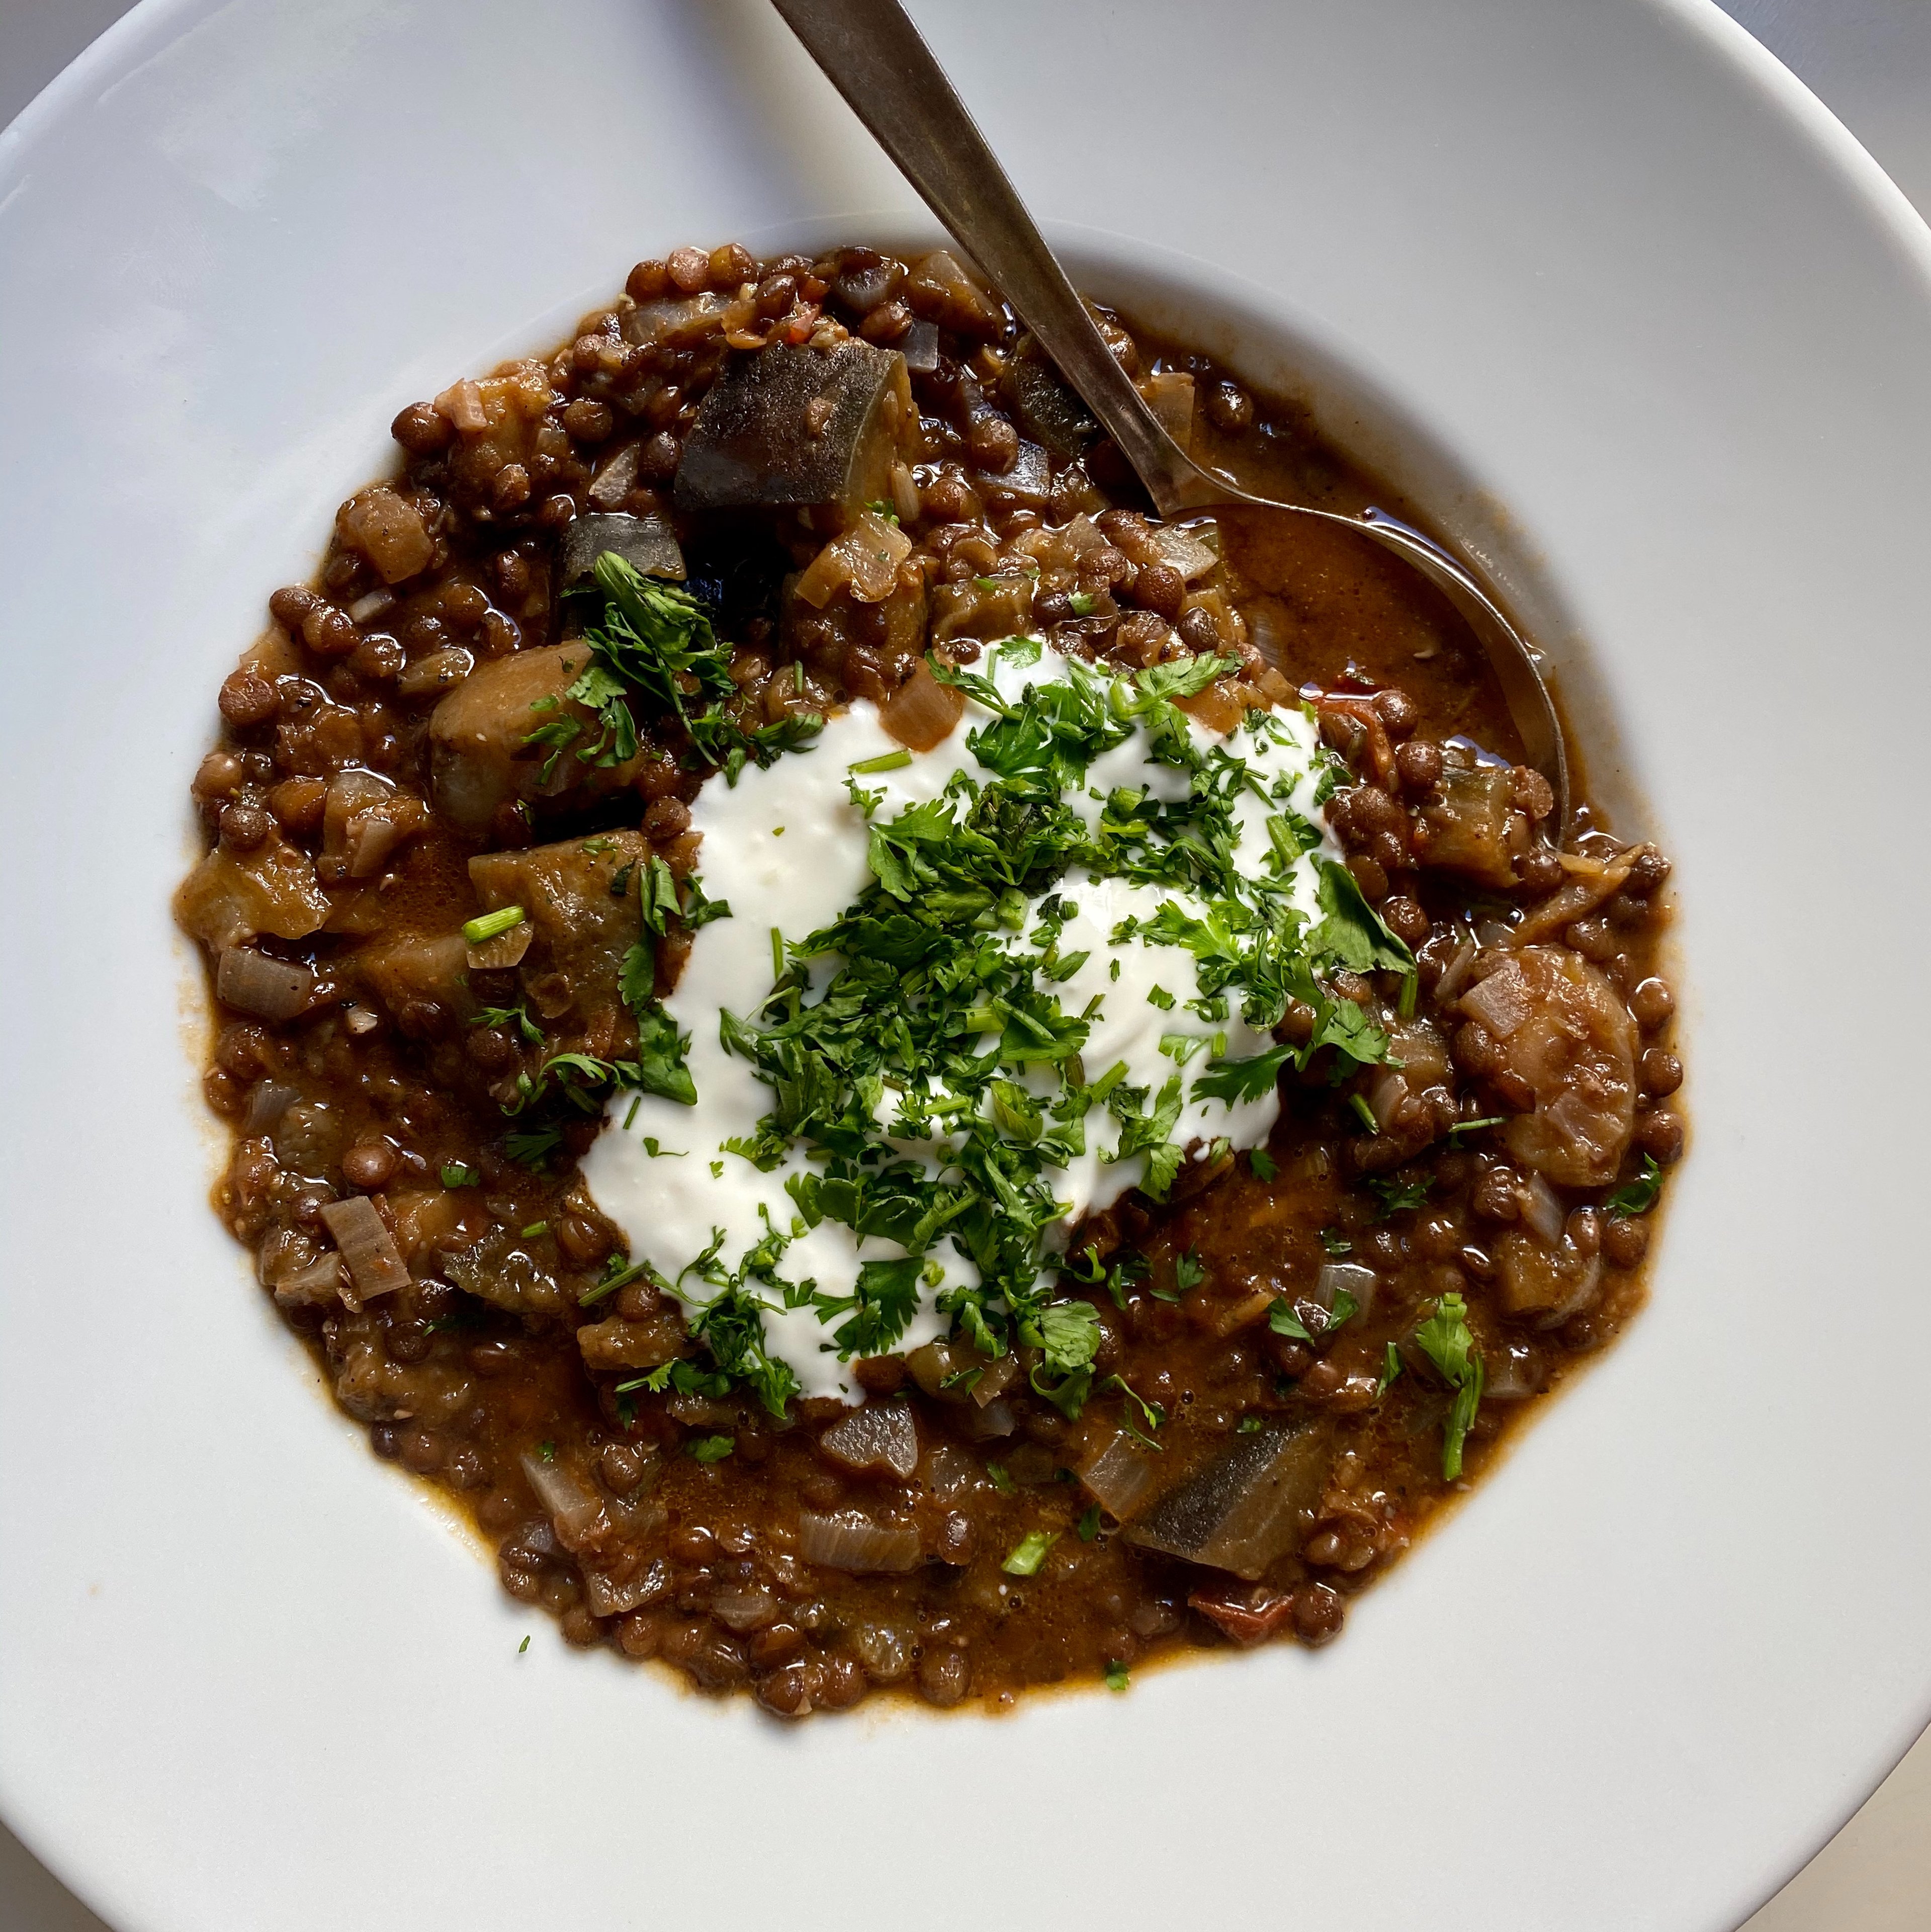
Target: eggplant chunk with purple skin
<point>494,740</point>
<point>647,543</point>
<point>1246,1507</point>
<point>816,429</point>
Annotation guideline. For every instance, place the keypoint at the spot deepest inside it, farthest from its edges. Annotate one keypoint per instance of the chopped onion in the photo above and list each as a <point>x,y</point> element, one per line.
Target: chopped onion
<point>904,494</point>
<point>372,837</point>
<point>1550,1280</point>
<point>942,288</point>
<point>1501,1002</point>
<point>1169,394</point>
<point>270,989</point>
<point>851,1540</point>
<point>611,1596</point>
<point>462,403</point>
<point>313,1286</point>
<point>675,323</point>
<point>995,1420</point>
<point>267,1104</point>
<point>616,479</point>
<point>431,675</point>
<point>1512,1371</point>
<point>368,1250</point>
<point>880,1439</point>
<point>743,1606</point>
<point>1348,1278</point>
<point>867,557</point>
<point>1542,1210</point>
<point>575,1507</point>
<point>863,290</point>
<point>921,711</point>
<point>920,347</point>
<point>1387,1094</point>
<point>388,529</point>
<point>501,950</point>
<point>952,1472</point>
<point>1574,901</point>
<point>1452,980</point>
<point>1186,549</point>
<point>994,1379</point>
<point>1118,1478</point>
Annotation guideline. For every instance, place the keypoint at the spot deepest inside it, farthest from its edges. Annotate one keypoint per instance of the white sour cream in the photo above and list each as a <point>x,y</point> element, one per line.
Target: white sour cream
<point>787,847</point>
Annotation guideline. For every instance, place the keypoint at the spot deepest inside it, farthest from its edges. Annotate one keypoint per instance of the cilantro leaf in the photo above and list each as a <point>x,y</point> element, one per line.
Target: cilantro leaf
<point>1446,1339</point>
<point>1237,1080</point>
<point>1398,1197</point>
<point>1352,933</point>
<point>1639,1195</point>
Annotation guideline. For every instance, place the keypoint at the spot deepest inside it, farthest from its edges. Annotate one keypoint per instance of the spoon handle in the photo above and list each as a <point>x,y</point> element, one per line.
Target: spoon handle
<point>874,55</point>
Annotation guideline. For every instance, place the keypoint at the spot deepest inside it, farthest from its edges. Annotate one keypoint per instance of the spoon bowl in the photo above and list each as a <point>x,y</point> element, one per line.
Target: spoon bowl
<point>873,54</point>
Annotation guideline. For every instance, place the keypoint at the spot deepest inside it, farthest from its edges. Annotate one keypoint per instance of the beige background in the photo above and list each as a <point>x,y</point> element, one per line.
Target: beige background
<point>1870,62</point>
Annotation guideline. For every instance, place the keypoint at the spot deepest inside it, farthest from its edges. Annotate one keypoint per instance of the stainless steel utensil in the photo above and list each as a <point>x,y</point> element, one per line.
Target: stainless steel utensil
<point>875,57</point>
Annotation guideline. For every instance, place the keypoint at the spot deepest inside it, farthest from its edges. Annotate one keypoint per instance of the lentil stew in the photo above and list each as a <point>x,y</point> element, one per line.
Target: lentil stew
<point>1391,1111</point>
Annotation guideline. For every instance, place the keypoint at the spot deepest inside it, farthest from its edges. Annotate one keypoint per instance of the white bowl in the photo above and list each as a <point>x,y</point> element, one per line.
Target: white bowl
<point>1635,318</point>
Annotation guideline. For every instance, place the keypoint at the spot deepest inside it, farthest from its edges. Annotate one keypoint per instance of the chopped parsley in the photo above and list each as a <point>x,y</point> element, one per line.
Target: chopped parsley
<point>709,1448</point>
<point>456,1175</point>
<point>1445,1339</point>
<point>1398,1197</point>
<point>653,647</point>
<point>1262,1163</point>
<point>1030,1553</point>
<point>517,1016</point>
<point>1116,1677</point>
<point>488,926</point>
<point>1391,1367</point>
<point>1638,1196</point>
<point>935,1010</point>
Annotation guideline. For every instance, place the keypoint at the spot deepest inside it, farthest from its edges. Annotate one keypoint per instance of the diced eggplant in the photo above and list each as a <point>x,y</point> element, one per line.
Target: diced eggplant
<point>1246,1507</point>
<point>499,1270</point>
<point>647,543</point>
<point>1047,411</point>
<point>231,896</point>
<point>942,288</point>
<point>581,896</point>
<point>990,607</point>
<point>617,1343</point>
<point>1466,829</point>
<point>815,428</point>
<point>484,753</point>
<point>387,529</point>
<point>419,967</point>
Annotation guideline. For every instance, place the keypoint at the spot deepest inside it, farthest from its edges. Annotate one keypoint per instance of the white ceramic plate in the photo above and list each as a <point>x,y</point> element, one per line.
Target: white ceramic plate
<point>1638,320</point>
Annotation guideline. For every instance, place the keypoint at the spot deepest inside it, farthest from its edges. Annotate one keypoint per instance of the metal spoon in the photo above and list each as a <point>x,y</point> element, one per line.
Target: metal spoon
<point>874,55</point>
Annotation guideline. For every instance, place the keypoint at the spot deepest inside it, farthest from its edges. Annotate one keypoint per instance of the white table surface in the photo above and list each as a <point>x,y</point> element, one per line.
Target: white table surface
<point>1869,61</point>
